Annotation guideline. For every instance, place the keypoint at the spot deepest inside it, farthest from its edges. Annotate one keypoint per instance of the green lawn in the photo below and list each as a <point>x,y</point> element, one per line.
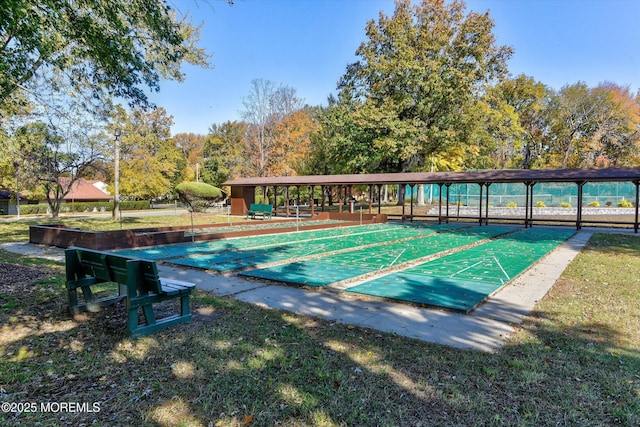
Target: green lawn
<point>575,361</point>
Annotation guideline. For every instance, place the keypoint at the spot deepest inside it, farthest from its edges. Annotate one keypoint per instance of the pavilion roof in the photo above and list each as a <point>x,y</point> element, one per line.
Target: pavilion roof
<point>482,176</point>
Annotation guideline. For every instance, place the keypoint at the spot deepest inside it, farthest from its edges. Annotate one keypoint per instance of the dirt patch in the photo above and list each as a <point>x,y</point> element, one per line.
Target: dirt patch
<point>14,278</point>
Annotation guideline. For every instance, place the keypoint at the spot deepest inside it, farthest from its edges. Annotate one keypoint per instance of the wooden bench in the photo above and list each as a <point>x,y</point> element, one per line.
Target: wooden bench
<point>256,209</point>
<point>139,285</point>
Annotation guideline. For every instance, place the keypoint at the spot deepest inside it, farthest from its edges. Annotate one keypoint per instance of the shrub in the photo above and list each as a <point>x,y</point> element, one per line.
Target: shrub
<point>594,204</point>
<point>540,204</point>
<point>512,205</point>
<point>198,196</point>
<point>565,204</point>
<point>625,204</point>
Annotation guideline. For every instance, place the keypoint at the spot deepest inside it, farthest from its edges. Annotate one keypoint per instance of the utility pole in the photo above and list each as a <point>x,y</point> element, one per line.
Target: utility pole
<point>16,165</point>
<point>116,186</point>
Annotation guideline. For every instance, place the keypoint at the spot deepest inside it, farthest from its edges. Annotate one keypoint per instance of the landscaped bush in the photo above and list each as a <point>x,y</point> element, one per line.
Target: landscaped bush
<point>540,204</point>
<point>198,196</point>
<point>43,208</point>
<point>565,204</point>
<point>512,205</point>
<point>33,209</point>
<point>625,204</point>
<point>594,204</point>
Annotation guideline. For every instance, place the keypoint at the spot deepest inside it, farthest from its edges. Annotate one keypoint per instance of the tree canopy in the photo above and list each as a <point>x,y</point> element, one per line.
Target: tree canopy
<point>411,93</point>
<point>111,49</point>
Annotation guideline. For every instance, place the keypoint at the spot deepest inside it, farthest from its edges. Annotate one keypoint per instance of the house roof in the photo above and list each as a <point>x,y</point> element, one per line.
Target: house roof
<point>484,176</point>
<point>84,190</point>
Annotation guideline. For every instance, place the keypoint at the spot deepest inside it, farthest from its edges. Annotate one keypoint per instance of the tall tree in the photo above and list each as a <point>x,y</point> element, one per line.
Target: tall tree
<point>513,125</point>
<point>151,164</point>
<point>292,137</point>
<point>55,161</point>
<point>258,114</point>
<point>530,99</point>
<point>191,146</point>
<point>112,49</point>
<point>594,126</point>
<point>619,132</point>
<point>224,153</point>
<point>275,124</point>
<point>419,74</point>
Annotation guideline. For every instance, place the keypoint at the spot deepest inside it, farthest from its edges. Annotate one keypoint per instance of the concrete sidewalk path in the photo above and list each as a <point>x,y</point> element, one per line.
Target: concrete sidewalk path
<point>486,328</point>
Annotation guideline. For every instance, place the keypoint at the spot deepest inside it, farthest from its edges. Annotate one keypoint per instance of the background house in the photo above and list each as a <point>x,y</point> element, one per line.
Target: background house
<point>84,190</point>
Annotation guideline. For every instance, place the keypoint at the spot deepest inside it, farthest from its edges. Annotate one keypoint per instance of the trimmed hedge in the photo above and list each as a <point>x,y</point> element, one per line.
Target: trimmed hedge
<point>42,208</point>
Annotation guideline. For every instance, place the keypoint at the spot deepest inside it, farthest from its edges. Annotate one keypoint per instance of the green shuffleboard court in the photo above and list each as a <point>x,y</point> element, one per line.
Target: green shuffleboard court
<point>464,279</point>
<point>186,249</point>
<point>454,266</point>
<point>325,270</point>
<point>289,247</point>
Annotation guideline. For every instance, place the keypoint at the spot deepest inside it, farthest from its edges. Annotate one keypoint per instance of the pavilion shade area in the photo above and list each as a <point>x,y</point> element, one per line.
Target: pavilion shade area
<point>243,189</point>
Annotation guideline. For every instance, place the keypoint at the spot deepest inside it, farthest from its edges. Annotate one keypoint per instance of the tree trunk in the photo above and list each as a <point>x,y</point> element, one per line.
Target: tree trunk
<point>402,189</point>
<point>421,195</point>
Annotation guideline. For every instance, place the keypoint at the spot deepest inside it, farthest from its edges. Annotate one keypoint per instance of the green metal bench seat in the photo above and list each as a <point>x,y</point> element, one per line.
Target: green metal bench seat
<point>139,285</point>
<point>257,209</point>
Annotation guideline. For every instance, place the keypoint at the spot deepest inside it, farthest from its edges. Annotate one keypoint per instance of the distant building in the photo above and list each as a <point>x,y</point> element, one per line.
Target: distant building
<point>84,190</point>
<point>8,202</point>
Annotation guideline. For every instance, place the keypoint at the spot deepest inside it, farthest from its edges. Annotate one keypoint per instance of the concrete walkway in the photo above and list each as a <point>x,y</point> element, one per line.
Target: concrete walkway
<point>485,328</point>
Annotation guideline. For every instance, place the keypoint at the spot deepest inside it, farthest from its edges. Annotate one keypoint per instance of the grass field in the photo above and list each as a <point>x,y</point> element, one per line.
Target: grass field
<point>575,361</point>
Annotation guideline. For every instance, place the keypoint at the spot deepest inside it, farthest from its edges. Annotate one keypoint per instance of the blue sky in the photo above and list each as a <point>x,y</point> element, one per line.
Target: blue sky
<point>307,44</point>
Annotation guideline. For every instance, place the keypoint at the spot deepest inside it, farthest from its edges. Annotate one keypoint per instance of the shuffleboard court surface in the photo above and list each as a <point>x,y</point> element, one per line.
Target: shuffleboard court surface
<point>464,279</point>
<point>292,250</point>
<point>334,268</point>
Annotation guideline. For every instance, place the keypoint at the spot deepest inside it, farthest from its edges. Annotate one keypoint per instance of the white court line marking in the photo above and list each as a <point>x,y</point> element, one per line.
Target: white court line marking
<point>317,248</point>
<point>394,261</point>
<point>500,265</point>
<point>465,269</point>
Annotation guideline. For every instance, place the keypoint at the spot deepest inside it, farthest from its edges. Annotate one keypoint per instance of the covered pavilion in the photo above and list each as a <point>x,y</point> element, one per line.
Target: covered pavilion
<point>243,190</point>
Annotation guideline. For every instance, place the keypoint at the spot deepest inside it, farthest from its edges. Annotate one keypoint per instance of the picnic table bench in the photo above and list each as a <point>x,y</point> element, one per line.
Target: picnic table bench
<point>139,285</point>
<point>263,210</point>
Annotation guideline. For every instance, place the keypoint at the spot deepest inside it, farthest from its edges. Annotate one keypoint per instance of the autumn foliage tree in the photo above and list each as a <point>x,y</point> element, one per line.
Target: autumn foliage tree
<point>594,126</point>
<point>278,127</point>
<point>419,74</point>
<point>151,164</point>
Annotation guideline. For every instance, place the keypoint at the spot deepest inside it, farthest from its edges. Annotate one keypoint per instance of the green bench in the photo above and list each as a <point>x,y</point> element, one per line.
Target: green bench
<point>139,285</point>
<point>257,209</point>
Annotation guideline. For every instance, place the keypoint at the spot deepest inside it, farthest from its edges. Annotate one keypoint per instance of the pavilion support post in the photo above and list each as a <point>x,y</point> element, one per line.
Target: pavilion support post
<point>312,200</point>
<point>526,205</point>
<point>370,198</point>
<point>579,210</point>
<point>635,223</point>
<point>447,202</point>
<point>298,196</point>
<point>379,197</point>
<point>275,200</point>
<point>480,204</point>
<point>486,205</point>
<point>322,190</point>
<point>411,201</point>
<point>439,203</point>
<point>340,199</point>
<point>402,190</point>
<point>286,201</point>
<point>531,185</point>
